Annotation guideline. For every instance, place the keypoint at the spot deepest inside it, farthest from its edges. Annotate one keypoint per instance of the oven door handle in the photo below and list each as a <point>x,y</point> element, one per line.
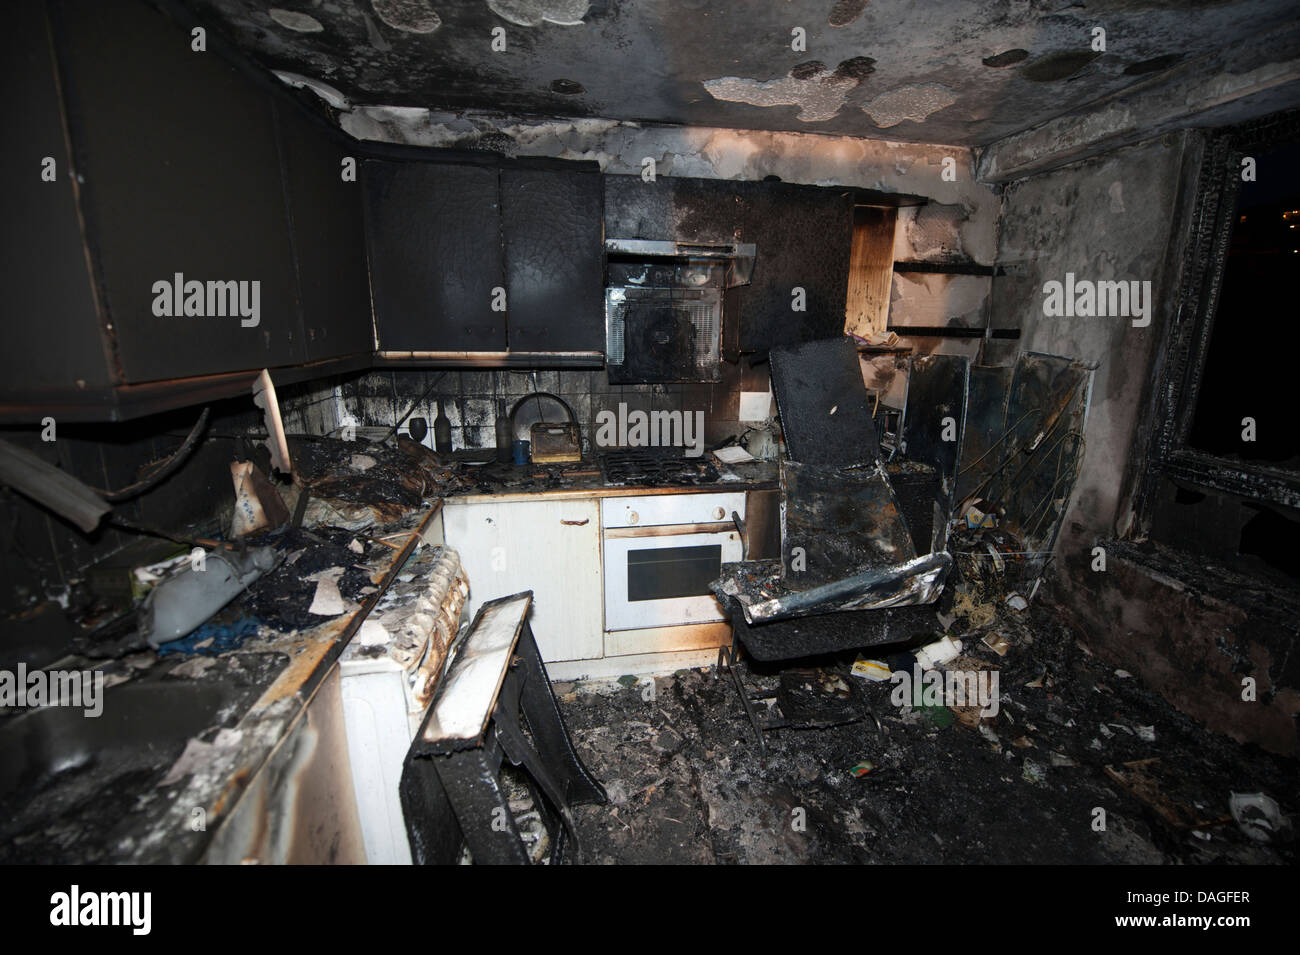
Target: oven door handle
<point>670,530</point>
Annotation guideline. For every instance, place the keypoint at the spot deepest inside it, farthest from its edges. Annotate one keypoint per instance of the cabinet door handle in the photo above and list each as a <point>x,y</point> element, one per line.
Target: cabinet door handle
<point>585,520</point>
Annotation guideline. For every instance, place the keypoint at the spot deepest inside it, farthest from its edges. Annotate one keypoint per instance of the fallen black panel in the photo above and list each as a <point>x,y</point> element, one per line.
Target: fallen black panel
<point>1045,411</point>
<point>823,404</point>
<point>832,632</point>
<point>986,419</point>
<point>916,486</point>
<point>838,523</point>
<point>935,414</point>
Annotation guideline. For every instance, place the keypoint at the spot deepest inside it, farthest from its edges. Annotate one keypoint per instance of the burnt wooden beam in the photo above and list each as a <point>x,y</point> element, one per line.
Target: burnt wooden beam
<point>1227,477</point>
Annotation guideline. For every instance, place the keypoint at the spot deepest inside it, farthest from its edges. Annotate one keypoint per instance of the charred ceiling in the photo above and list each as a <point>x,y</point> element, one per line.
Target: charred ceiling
<point>960,73</point>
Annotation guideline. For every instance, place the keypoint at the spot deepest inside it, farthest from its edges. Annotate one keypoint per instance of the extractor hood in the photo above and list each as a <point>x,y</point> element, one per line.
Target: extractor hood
<point>738,256</point>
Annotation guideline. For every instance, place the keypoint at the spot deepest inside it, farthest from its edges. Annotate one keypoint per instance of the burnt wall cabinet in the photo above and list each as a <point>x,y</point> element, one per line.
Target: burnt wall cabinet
<point>325,219</point>
<point>554,258</point>
<point>481,258</point>
<point>434,232</point>
<point>180,176</point>
<point>53,336</point>
<point>173,217</point>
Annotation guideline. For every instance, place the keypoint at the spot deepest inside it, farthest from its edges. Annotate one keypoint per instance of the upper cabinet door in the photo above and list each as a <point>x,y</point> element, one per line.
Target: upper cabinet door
<point>328,237</point>
<point>180,182</point>
<point>554,256</point>
<point>434,236</point>
<point>52,332</point>
<point>803,236</point>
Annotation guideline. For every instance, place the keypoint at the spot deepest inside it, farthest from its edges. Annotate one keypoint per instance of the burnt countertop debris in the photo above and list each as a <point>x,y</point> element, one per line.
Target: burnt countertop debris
<point>398,476</point>
<point>615,472</point>
<point>187,727</point>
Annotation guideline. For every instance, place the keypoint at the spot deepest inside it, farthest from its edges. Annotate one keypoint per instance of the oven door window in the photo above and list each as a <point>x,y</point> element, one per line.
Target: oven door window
<point>662,573</point>
<point>663,581</point>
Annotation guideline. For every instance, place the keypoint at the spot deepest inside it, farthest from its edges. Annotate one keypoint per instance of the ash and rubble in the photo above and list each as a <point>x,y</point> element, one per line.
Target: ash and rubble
<point>688,785</point>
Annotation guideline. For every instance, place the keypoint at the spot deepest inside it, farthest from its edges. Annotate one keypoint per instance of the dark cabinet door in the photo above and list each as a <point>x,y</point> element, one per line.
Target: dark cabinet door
<point>434,236</point>
<point>181,178</point>
<point>704,211</point>
<point>803,236</point>
<point>52,332</point>
<point>554,259</point>
<point>328,238</point>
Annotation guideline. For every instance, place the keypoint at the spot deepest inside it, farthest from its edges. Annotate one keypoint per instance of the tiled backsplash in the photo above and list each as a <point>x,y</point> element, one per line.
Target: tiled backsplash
<point>378,398</point>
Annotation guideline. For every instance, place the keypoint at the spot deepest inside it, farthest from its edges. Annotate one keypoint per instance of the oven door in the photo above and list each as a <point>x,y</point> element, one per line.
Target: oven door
<point>660,576</point>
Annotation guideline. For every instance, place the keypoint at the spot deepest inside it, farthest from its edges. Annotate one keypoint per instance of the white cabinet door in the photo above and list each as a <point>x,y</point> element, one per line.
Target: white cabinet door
<point>549,547</point>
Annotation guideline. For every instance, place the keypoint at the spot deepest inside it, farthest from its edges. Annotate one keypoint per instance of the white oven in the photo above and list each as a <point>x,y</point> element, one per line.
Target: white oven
<point>661,552</point>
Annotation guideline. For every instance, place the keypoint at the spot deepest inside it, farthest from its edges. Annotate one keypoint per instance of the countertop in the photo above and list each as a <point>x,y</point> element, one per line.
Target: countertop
<point>583,480</point>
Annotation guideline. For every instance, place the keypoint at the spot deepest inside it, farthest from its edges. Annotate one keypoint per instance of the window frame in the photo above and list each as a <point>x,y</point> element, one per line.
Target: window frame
<point>1187,346</point>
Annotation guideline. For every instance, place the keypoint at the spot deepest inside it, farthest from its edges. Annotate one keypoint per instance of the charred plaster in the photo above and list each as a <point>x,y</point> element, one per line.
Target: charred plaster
<point>1049,226</point>
<point>649,62</point>
<point>620,148</point>
<point>1006,58</point>
<point>1058,66</point>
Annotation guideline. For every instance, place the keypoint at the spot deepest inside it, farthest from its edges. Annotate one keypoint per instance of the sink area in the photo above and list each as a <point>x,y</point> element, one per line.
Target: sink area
<point>69,781</point>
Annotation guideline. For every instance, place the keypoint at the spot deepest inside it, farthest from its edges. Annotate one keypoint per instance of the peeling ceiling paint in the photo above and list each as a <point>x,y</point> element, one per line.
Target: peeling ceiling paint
<point>909,102</point>
<point>533,13</point>
<point>759,65</point>
<point>819,96</point>
<point>845,12</point>
<point>293,20</point>
<point>413,16</point>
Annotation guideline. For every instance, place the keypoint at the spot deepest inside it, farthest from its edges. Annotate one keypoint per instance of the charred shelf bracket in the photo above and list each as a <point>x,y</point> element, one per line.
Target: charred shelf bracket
<point>948,331</point>
<point>451,788</point>
<point>950,268</point>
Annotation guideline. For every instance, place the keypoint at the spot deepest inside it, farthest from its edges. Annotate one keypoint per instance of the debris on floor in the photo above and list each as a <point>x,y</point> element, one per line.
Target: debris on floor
<point>687,783</point>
